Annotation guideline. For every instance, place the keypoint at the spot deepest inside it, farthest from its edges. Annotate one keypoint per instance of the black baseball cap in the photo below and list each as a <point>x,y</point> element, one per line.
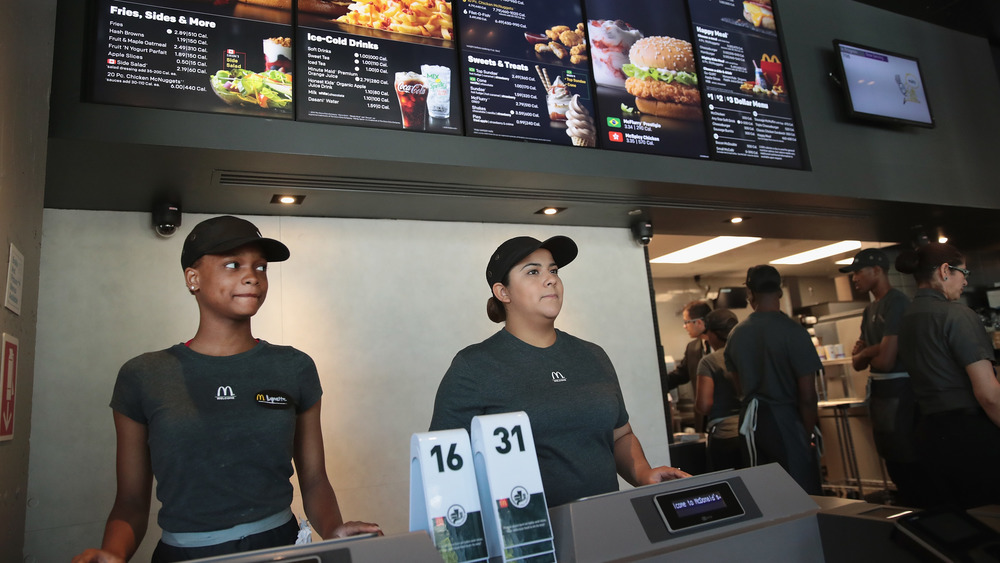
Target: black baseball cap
<point>866,258</point>
<point>225,233</point>
<point>508,254</point>
<point>763,279</point>
<point>721,320</point>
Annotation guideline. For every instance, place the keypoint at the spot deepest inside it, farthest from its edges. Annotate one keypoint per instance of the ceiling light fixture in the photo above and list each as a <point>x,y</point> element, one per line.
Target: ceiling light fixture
<point>819,253</point>
<point>550,210</point>
<point>844,262</point>
<point>736,220</point>
<point>705,249</point>
<point>287,199</point>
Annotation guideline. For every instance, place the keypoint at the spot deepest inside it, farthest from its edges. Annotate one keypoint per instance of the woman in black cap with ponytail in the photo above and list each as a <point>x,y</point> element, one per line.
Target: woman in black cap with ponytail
<point>567,386</point>
<point>218,420</point>
<point>950,359</point>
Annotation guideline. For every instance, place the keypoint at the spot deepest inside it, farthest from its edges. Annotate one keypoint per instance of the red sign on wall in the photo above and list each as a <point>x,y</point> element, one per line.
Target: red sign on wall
<point>8,382</point>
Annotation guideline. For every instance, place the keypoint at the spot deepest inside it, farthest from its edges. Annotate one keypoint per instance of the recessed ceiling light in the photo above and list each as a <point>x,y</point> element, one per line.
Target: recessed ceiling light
<point>705,249</point>
<point>550,210</point>
<point>736,220</point>
<point>844,262</point>
<point>287,199</point>
<point>821,252</point>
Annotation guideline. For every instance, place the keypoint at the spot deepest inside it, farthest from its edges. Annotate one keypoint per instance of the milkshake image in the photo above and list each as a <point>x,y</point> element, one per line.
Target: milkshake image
<point>610,41</point>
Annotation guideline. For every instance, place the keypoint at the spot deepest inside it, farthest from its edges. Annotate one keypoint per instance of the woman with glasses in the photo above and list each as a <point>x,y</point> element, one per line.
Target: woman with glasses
<point>950,359</point>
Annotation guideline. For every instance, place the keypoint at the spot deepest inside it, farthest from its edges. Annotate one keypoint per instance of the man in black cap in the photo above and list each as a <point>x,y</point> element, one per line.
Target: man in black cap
<point>775,364</point>
<point>891,403</point>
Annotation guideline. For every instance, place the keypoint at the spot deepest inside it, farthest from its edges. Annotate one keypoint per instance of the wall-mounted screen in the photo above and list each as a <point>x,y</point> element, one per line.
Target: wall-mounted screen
<point>197,55</point>
<point>883,86</point>
<point>647,88</point>
<point>525,70</point>
<point>745,81</point>
<point>378,64</point>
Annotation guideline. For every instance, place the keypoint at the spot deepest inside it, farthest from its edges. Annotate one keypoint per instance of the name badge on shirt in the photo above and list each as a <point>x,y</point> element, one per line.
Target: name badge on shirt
<point>274,399</point>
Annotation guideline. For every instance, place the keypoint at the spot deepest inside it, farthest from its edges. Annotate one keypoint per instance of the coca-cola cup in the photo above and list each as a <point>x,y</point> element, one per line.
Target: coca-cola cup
<point>411,89</point>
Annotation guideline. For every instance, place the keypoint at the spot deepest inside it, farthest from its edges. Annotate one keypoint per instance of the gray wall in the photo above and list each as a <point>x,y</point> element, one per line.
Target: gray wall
<point>382,306</point>
<point>26,29</point>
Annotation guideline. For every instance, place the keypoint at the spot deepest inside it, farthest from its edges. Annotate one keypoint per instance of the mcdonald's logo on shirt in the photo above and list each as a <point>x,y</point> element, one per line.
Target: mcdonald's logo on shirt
<point>224,393</point>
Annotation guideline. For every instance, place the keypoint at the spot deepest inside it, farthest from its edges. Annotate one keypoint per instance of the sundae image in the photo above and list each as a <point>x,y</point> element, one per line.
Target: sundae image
<point>580,126</point>
<point>278,54</point>
<point>557,96</point>
<point>610,41</point>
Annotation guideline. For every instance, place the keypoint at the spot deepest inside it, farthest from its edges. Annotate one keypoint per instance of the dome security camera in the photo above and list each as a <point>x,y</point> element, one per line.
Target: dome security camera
<point>642,231</point>
<point>166,219</point>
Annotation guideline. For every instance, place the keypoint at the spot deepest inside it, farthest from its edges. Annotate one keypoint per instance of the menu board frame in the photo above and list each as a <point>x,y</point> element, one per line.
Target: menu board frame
<point>461,98</point>
<point>801,161</point>
<point>204,78</point>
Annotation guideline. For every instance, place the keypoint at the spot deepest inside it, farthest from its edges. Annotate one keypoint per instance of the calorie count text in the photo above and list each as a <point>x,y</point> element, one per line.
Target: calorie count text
<point>130,49</point>
<point>524,93</point>
<point>370,74</point>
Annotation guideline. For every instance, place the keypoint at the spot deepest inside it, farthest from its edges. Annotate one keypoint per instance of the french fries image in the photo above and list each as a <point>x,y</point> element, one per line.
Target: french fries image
<point>427,18</point>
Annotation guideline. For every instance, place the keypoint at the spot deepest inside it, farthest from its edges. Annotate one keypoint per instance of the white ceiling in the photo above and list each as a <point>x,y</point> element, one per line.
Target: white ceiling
<point>735,262</point>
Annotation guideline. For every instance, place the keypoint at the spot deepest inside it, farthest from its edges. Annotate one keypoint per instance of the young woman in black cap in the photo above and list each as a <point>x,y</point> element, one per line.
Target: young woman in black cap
<point>950,359</point>
<point>567,386</point>
<point>218,420</point>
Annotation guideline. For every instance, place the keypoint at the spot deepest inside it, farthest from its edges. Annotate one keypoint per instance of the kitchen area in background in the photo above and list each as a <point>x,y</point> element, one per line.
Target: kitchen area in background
<point>825,301</point>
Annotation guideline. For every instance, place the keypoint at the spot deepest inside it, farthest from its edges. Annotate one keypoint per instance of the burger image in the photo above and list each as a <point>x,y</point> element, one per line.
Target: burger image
<point>661,76</point>
<point>758,12</point>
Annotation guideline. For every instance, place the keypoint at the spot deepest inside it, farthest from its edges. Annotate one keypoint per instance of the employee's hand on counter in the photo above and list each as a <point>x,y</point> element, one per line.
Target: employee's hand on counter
<point>661,474</point>
<point>355,528</point>
<point>97,556</point>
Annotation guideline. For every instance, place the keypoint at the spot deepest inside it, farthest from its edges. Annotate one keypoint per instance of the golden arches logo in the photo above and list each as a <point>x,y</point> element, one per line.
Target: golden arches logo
<point>261,397</point>
<point>770,59</point>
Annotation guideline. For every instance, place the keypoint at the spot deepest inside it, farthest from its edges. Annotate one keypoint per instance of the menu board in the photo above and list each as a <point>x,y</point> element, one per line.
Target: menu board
<point>376,63</point>
<point>648,95</point>
<point>749,109</point>
<point>525,71</point>
<point>198,55</point>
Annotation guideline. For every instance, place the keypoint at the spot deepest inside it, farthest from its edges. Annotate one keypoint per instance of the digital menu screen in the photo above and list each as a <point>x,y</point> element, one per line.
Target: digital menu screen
<point>884,85</point>
<point>525,71</point>
<point>749,109</point>
<point>199,55</point>
<point>378,63</point>
<point>647,87</point>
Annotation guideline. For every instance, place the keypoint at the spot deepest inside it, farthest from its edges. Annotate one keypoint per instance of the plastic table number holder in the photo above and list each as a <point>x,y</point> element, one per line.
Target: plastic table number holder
<point>444,499</point>
<point>515,515</point>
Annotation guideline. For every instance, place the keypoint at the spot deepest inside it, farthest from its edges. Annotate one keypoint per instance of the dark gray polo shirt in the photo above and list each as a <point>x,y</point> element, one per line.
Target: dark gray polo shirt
<point>937,340</point>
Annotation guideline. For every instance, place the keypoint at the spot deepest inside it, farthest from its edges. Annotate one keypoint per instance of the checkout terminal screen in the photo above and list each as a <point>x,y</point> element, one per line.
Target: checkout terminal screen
<point>694,507</point>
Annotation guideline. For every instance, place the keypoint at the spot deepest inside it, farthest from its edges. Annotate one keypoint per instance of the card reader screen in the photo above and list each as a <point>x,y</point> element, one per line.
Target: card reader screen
<point>694,507</point>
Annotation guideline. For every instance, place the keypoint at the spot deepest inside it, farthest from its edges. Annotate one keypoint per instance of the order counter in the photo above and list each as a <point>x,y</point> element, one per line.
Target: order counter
<point>754,514</point>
